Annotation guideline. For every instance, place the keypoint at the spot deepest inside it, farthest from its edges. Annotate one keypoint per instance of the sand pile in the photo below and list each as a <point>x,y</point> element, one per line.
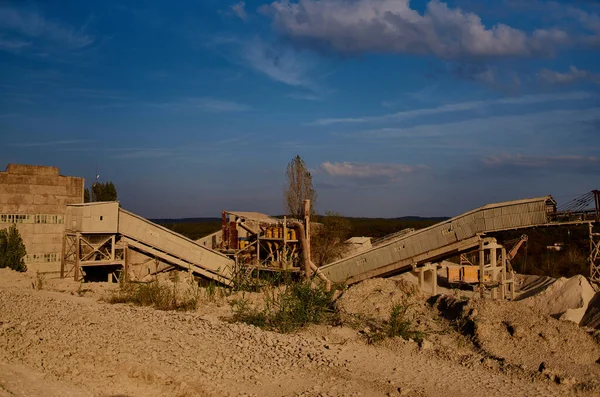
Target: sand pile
<point>523,339</point>
<point>591,318</point>
<point>566,299</point>
<point>12,279</point>
<point>376,297</point>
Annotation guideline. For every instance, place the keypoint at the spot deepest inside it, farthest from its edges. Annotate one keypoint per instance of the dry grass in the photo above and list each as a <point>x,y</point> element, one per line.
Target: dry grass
<point>161,296</point>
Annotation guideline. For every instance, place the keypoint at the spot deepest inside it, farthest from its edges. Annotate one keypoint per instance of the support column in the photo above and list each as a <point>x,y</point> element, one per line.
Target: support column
<point>307,270</point>
<point>62,258</point>
<point>126,263</point>
<point>112,247</point>
<point>493,263</point>
<point>76,268</point>
<point>481,267</point>
<point>434,284</point>
<point>594,257</point>
<point>503,283</point>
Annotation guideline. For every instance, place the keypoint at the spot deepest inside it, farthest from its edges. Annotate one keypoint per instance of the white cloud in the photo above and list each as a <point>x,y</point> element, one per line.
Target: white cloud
<point>571,76</point>
<point>240,10</point>
<point>369,170</point>
<point>458,107</point>
<point>392,26</point>
<point>29,23</point>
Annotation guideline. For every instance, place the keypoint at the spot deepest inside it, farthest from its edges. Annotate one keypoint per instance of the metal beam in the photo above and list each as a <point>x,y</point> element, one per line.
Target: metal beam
<point>176,261</point>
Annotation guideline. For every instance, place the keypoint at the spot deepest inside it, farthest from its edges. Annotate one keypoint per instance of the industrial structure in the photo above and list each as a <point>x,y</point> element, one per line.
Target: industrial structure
<point>104,235</point>
<point>99,241</point>
<point>102,238</point>
<point>418,250</point>
<point>34,198</point>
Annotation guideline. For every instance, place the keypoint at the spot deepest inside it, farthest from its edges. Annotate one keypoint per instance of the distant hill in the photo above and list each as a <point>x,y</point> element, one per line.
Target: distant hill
<point>195,228</point>
<point>185,220</point>
<point>202,220</point>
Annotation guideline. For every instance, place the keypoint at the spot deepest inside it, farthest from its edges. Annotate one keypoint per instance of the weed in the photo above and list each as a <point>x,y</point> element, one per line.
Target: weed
<point>211,292</point>
<point>397,325</point>
<point>298,305</point>
<point>122,278</point>
<point>158,295</point>
<point>245,313</point>
<point>82,291</point>
<point>40,280</point>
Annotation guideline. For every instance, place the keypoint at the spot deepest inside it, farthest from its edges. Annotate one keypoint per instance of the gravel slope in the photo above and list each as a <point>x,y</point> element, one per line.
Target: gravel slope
<point>91,348</point>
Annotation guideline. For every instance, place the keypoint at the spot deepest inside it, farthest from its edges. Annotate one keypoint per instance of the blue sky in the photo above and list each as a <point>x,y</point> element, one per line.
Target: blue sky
<point>398,107</point>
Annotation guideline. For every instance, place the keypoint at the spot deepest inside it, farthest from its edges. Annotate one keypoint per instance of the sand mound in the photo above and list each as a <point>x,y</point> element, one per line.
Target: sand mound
<point>520,337</point>
<point>592,315</point>
<point>529,285</point>
<point>13,279</point>
<point>376,297</point>
<point>566,299</point>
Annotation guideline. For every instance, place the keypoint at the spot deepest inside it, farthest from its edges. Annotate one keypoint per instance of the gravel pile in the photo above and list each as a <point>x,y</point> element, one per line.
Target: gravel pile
<point>73,339</point>
<point>527,341</point>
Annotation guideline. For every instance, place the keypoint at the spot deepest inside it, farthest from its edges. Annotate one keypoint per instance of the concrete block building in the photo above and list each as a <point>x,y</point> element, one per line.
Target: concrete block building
<point>34,198</point>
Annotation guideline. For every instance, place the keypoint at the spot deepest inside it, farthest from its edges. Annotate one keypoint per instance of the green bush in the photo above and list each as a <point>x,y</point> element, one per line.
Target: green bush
<point>298,305</point>
<point>397,325</point>
<point>12,249</point>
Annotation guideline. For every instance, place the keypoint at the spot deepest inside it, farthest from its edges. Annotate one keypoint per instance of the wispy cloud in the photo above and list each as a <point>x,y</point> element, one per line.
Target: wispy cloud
<point>142,153</point>
<point>543,131</point>
<point>280,63</point>
<point>13,44</point>
<point>27,25</point>
<point>458,107</point>
<point>368,170</point>
<point>528,161</point>
<point>8,115</point>
<point>305,96</point>
<point>571,76</point>
<point>370,173</point>
<point>204,104</point>
<point>240,10</point>
<point>67,142</point>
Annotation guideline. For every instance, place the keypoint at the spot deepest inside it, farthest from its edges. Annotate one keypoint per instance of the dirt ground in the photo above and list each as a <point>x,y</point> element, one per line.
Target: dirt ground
<point>63,340</point>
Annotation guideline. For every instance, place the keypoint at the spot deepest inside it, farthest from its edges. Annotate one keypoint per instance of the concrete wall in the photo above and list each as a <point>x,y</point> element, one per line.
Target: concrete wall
<point>34,198</point>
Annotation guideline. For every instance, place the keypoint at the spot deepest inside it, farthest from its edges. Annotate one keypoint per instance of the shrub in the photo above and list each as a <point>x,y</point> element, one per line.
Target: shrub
<point>158,295</point>
<point>12,249</point>
<point>40,280</point>
<point>397,325</point>
<point>298,305</point>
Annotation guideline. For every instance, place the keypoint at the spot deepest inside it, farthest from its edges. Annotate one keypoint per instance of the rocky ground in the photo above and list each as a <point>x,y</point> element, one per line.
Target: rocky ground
<point>63,340</point>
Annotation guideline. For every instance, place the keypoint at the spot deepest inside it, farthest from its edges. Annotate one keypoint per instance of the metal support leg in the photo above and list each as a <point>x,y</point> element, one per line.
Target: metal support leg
<point>77,269</point>
<point>434,280</point>
<point>503,284</point>
<point>594,257</point>
<point>493,262</point>
<point>481,267</point>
